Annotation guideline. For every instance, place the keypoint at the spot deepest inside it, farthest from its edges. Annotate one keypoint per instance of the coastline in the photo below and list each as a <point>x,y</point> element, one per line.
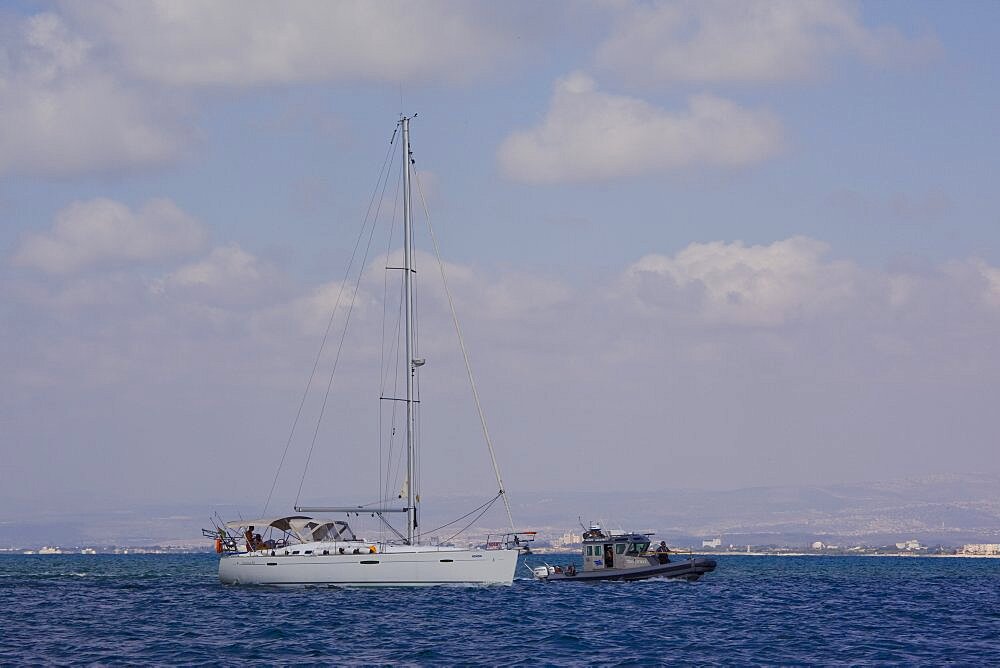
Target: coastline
<point>744,553</point>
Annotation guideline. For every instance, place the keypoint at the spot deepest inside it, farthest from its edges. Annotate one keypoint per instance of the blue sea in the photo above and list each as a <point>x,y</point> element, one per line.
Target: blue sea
<point>63,609</point>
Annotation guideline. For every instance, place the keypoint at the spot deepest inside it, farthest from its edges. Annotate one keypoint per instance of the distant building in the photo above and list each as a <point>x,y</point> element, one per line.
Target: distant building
<point>984,549</point>
<point>910,545</point>
<point>818,545</point>
<point>568,539</point>
<point>713,543</point>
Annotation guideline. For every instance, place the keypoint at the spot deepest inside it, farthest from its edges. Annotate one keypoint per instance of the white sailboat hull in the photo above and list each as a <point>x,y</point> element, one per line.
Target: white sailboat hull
<point>397,566</point>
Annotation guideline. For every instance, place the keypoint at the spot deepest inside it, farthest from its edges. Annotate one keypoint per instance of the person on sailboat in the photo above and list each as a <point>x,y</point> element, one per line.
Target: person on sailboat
<point>254,540</point>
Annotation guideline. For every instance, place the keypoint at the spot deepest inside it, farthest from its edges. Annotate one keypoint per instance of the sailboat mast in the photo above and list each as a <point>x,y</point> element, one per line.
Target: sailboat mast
<point>411,367</point>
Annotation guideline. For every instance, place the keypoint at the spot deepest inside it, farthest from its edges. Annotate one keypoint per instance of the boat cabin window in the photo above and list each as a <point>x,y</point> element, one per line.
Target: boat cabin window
<point>637,548</point>
<point>620,548</point>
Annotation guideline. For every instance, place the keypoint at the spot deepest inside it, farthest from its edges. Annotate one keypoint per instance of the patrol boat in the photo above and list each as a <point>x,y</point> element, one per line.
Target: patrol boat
<point>608,555</point>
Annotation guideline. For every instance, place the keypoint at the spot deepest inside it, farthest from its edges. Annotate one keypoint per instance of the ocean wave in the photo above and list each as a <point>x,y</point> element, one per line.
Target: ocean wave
<point>133,609</point>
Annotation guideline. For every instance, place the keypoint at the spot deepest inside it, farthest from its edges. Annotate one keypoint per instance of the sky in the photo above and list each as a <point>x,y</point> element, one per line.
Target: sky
<point>692,244</point>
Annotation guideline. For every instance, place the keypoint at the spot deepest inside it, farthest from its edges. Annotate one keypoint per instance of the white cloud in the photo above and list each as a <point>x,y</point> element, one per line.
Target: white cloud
<point>228,275</point>
<point>588,135</point>
<point>478,295</point>
<point>749,41</point>
<point>104,86</point>
<point>310,313</point>
<point>992,277</point>
<point>745,285</point>
<point>64,113</point>
<point>101,230</point>
<point>757,354</point>
<point>981,279</point>
<point>254,42</point>
<point>223,266</point>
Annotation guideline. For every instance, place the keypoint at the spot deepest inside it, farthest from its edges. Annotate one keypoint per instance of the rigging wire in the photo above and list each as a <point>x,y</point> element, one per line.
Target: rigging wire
<point>417,413</point>
<point>350,309</point>
<point>383,488</point>
<point>326,333</point>
<point>465,355</point>
<point>476,518</point>
<point>336,363</point>
<point>395,350</point>
<point>385,524</point>
<point>372,219</point>
<point>486,505</point>
<point>390,477</point>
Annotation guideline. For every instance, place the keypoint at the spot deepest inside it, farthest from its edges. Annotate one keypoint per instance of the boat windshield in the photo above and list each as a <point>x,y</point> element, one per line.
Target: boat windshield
<point>638,548</point>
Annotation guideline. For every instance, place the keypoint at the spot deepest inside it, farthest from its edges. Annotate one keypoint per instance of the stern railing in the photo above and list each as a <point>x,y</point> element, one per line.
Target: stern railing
<point>511,540</point>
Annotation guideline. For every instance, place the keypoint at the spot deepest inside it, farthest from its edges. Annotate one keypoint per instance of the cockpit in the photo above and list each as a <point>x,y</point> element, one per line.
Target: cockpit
<point>615,550</point>
<point>278,532</point>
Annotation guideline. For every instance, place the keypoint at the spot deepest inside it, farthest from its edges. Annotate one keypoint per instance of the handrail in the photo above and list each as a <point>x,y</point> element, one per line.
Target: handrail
<point>518,539</point>
<point>671,551</point>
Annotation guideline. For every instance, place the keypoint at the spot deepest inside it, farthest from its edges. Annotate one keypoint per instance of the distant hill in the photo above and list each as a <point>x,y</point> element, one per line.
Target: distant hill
<point>948,509</point>
<point>943,509</point>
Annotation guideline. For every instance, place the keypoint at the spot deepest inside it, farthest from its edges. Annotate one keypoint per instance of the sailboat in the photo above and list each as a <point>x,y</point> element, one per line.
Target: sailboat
<point>306,550</point>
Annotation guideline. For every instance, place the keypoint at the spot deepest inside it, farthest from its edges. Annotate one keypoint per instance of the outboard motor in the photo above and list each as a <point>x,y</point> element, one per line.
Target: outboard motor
<point>542,572</point>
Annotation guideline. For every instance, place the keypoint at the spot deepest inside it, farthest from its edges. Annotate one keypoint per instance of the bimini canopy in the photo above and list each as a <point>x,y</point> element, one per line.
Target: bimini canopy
<point>315,530</point>
<point>279,523</point>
